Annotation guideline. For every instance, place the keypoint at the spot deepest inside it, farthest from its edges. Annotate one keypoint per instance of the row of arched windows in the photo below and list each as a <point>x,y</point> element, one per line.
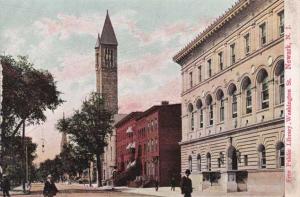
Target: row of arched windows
<point>246,93</point>
<point>235,158</point>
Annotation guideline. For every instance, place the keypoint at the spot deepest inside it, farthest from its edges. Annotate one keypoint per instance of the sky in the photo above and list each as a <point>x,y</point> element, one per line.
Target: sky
<point>59,36</point>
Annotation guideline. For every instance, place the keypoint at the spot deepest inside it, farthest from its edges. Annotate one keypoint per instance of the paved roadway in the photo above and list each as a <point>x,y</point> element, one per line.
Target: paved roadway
<point>77,191</point>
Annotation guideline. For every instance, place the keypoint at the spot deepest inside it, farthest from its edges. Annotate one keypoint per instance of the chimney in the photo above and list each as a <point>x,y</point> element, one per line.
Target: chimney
<point>165,103</point>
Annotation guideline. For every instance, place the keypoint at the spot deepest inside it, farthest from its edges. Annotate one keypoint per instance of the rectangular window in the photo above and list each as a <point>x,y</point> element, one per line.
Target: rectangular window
<point>247,44</point>
<point>263,159</point>
<point>211,114</point>
<point>220,60</point>
<point>222,110</point>
<point>201,118</point>
<point>246,160</point>
<point>209,68</point>
<point>263,34</point>
<point>232,53</point>
<point>281,157</point>
<point>200,73</point>
<point>281,23</point>
<point>281,88</point>
<point>234,105</point>
<point>191,79</point>
<point>265,94</point>
<point>192,121</point>
<point>219,162</point>
<point>248,100</point>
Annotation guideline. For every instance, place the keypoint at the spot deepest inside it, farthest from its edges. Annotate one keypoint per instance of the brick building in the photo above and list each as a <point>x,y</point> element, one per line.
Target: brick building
<point>147,145</point>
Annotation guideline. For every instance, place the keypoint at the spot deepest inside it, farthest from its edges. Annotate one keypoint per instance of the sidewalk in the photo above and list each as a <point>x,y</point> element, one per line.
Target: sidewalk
<point>166,192</point>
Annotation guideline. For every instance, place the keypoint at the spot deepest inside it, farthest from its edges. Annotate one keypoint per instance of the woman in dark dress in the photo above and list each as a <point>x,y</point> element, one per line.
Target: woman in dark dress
<point>50,189</point>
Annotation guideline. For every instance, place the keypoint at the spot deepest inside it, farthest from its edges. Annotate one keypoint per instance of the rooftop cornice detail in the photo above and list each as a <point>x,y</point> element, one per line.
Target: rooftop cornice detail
<point>216,25</point>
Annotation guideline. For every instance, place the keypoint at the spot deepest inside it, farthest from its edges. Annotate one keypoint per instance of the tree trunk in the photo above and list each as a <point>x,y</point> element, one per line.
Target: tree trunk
<point>99,170</point>
<point>90,178</point>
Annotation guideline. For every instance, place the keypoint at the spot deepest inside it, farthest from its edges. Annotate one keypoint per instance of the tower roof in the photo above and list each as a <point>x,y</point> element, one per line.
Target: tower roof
<point>108,34</point>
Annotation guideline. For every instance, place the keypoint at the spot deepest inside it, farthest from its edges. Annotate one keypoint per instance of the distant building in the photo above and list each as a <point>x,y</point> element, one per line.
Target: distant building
<point>109,156</point>
<point>64,138</point>
<point>233,100</point>
<point>147,146</point>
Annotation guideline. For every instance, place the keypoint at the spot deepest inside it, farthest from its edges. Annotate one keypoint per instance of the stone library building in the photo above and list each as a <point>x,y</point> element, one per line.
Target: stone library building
<point>233,100</point>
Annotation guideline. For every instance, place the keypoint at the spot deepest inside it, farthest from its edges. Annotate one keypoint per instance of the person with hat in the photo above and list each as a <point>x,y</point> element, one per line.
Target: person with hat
<point>50,189</point>
<point>5,185</point>
<point>186,184</point>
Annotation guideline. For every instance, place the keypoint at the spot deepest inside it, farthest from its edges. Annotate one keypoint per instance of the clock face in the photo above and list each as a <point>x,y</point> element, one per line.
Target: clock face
<point>270,60</point>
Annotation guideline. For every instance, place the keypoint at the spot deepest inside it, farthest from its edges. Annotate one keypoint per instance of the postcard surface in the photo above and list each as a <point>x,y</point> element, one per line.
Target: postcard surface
<point>152,98</point>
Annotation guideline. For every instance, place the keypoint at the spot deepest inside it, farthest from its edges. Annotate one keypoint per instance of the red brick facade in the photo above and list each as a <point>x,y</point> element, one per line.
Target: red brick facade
<point>151,138</point>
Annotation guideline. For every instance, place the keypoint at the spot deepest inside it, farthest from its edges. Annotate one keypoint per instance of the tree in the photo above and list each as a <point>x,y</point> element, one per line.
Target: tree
<point>75,159</point>
<point>27,94</point>
<point>90,127</point>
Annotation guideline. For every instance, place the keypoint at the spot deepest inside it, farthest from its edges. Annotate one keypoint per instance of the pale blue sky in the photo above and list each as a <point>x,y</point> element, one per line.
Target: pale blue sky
<point>60,36</point>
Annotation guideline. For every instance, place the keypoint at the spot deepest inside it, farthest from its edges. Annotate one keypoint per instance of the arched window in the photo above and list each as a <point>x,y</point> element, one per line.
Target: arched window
<point>279,76</point>
<point>262,156</point>
<point>208,162</point>
<point>280,154</point>
<point>199,162</point>
<point>247,95</point>
<point>192,118</point>
<point>190,163</point>
<point>232,90</point>
<point>210,109</point>
<point>199,107</point>
<point>263,82</point>
<point>221,99</point>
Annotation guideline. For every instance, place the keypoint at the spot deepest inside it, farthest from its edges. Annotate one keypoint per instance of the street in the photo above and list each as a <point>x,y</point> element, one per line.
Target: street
<point>76,190</point>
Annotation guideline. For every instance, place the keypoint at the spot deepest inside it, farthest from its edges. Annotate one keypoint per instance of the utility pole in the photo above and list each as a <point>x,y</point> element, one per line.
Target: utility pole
<point>1,145</point>
<point>23,159</point>
<point>27,170</point>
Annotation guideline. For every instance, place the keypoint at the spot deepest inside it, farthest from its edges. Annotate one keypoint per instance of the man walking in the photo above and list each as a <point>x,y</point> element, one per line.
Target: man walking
<point>5,186</point>
<point>156,184</point>
<point>186,184</point>
<point>173,183</point>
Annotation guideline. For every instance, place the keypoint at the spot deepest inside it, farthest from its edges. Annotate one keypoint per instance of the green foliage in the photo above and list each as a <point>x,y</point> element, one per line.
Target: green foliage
<point>74,159</point>
<point>90,127</point>
<point>53,167</point>
<point>27,94</point>
<point>13,156</point>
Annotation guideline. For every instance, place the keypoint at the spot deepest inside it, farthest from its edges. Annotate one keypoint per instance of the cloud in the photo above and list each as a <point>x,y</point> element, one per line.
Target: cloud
<point>14,42</point>
<point>145,64</point>
<point>136,101</point>
<point>63,26</point>
<point>74,66</point>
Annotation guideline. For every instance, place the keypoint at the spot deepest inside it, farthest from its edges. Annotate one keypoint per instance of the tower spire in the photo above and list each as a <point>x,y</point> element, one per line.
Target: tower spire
<point>108,35</point>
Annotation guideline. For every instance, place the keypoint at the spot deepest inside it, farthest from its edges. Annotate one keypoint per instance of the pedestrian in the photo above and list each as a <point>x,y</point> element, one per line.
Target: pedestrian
<point>5,185</point>
<point>156,184</point>
<point>50,189</point>
<point>173,184</point>
<point>186,184</point>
